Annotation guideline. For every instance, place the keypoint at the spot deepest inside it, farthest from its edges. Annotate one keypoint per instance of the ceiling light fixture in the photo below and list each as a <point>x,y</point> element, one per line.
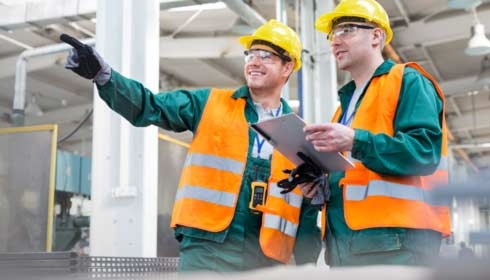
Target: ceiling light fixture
<point>479,43</point>
<point>483,78</point>
<point>206,6</point>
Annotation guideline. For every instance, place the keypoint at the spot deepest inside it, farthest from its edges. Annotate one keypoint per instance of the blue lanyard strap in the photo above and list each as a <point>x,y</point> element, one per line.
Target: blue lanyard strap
<point>345,120</point>
<point>258,139</point>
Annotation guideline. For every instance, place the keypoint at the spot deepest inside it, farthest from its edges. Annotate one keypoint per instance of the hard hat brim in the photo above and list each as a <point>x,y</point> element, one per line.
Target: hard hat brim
<point>247,40</point>
<point>324,23</point>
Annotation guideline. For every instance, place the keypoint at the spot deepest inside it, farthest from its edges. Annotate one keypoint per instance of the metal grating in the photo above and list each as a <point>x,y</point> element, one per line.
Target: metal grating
<point>69,265</point>
<point>127,265</point>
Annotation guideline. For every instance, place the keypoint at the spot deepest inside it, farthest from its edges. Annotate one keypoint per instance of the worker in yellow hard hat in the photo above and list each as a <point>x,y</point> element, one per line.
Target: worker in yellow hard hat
<point>229,214</point>
<point>391,125</point>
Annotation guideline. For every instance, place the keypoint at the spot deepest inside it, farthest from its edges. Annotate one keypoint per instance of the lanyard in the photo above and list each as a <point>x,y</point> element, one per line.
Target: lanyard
<point>258,139</point>
<point>346,120</point>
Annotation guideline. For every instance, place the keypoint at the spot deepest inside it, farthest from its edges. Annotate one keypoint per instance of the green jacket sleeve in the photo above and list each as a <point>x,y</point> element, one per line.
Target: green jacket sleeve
<point>308,238</point>
<point>415,147</point>
<point>178,110</point>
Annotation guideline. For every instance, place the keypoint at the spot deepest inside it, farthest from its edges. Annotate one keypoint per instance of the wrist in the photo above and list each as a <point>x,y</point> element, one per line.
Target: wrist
<point>104,75</point>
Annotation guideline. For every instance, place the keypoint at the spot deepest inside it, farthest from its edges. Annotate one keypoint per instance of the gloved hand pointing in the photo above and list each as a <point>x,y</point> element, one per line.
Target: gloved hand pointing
<point>85,61</point>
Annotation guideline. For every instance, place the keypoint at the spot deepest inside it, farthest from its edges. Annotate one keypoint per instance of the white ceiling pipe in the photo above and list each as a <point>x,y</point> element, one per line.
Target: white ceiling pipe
<point>17,116</point>
<point>245,12</point>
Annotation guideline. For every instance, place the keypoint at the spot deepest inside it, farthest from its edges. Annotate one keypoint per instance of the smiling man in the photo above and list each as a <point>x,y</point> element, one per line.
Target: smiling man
<point>216,218</point>
<point>391,125</point>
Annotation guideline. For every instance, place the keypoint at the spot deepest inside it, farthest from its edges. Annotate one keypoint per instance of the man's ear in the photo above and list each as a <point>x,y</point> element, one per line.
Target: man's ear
<point>377,37</point>
<point>288,68</point>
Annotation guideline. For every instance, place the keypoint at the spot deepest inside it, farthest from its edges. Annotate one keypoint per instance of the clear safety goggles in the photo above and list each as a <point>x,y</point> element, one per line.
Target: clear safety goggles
<point>266,57</point>
<point>345,30</point>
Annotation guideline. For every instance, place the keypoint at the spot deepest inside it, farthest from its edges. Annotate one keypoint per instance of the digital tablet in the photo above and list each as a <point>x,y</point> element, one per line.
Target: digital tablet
<point>285,133</point>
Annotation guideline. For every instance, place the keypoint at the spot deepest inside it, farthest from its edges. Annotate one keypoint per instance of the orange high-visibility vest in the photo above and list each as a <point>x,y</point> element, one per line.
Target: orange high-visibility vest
<point>212,175</point>
<point>373,200</point>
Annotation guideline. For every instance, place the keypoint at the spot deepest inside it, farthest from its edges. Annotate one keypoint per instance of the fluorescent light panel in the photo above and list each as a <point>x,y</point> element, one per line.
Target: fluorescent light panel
<point>207,6</point>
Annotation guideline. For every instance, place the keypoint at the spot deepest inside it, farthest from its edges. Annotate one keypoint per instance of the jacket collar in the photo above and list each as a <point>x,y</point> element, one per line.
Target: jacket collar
<point>243,92</point>
<point>384,68</point>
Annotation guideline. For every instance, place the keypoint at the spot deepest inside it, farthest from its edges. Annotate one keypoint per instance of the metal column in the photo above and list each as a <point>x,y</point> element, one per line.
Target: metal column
<point>307,29</point>
<point>325,74</point>
<point>125,158</point>
<point>319,75</point>
<point>281,15</point>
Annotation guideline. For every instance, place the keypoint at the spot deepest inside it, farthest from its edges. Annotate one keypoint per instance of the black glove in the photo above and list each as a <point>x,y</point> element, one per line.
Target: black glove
<point>85,61</point>
<point>307,172</point>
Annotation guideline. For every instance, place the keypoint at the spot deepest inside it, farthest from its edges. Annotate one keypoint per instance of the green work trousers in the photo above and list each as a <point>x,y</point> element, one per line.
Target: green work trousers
<point>378,246</point>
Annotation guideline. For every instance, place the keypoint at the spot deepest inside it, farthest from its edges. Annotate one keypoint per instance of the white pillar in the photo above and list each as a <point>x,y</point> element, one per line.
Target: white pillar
<point>125,158</point>
<point>319,72</point>
<point>307,30</point>
<point>325,72</point>
<point>281,15</point>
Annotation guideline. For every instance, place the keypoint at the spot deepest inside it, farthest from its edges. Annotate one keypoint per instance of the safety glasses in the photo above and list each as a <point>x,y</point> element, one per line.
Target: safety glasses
<point>266,57</point>
<point>345,30</point>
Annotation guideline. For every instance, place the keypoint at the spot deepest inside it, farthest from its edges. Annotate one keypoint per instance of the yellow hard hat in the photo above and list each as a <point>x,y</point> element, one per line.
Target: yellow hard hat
<point>369,10</point>
<point>278,34</point>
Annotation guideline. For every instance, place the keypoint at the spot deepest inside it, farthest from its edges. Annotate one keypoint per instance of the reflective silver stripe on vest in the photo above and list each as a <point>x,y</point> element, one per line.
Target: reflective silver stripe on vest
<point>215,162</point>
<point>280,224</point>
<point>443,164</point>
<point>394,190</point>
<point>290,197</point>
<point>205,194</point>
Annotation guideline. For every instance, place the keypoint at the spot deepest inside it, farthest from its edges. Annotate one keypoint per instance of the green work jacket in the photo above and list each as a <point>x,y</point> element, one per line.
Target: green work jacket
<point>412,151</point>
<point>181,110</point>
